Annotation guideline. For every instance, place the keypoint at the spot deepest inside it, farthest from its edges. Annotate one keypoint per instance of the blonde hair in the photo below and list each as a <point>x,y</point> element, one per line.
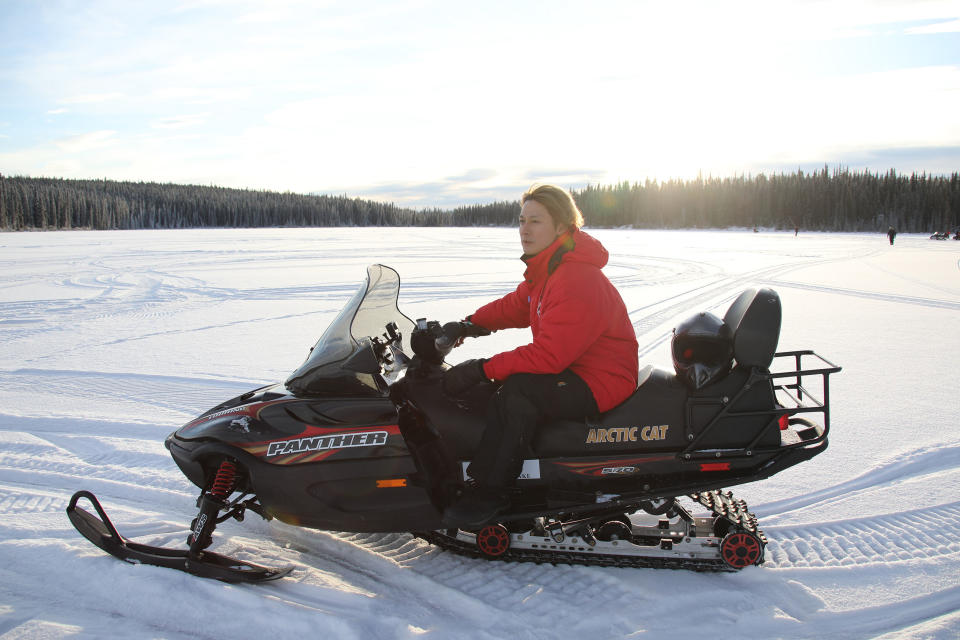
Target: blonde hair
<point>558,203</point>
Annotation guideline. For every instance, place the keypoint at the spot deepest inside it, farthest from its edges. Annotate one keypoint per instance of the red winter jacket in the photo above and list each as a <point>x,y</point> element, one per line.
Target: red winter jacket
<point>578,319</point>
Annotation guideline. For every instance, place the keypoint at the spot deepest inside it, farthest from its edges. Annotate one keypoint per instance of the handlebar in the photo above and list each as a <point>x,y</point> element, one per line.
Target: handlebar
<point>432,342</point>
<point>455,332</point>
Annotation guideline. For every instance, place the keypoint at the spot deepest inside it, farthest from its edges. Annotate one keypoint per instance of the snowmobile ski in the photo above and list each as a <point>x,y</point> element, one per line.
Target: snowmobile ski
<point>99,530</point>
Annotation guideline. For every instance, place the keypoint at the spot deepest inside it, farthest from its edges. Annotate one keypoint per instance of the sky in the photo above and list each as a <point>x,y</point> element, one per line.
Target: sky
<point>439,104</point>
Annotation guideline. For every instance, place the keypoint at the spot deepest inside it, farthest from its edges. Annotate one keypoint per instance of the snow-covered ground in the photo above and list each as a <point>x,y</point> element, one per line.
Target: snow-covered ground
<point>110,340</point>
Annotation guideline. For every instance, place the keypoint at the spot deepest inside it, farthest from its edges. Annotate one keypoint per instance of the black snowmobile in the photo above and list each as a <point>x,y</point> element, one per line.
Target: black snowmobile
<point>362,438</point>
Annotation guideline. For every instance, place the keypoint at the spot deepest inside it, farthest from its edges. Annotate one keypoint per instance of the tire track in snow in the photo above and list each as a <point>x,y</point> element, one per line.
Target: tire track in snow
<point>923,461</point>
<point>491,595</point>
<point>62,460</point>
<point>14,500</point>
<point>923,534</point>
<point>715,295</point>
<point>180,395</point>
<point>870,295</point>
<point>649,271</point>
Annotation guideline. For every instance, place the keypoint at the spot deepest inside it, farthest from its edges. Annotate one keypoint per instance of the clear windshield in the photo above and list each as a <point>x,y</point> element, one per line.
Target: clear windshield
<point>345,359</point>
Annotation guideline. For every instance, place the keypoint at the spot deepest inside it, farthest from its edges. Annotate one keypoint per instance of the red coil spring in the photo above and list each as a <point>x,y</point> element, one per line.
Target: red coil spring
<point>223,483</point>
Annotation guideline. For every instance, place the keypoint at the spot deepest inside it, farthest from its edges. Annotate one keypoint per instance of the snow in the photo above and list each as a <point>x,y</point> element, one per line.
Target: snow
<point>111,340</point>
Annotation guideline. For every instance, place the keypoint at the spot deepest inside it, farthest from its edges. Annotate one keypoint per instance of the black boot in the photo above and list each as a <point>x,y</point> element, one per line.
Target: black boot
<point>476,507</point>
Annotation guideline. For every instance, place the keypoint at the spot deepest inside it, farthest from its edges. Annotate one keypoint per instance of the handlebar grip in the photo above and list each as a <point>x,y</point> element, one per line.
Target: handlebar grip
<point>453,333</point>
<point>474,330</point>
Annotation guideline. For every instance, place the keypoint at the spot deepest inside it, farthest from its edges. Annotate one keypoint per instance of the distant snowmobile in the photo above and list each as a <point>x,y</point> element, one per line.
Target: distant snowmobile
<point>362,438</point>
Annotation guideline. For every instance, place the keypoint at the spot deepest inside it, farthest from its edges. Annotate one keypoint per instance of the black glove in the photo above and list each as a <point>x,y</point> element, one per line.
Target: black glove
<point>454,333</point>
<point>462,377</point>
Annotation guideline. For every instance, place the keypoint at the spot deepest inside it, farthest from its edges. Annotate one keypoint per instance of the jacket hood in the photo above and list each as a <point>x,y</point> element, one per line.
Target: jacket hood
<point>571,247</point>
<point>587,249</point>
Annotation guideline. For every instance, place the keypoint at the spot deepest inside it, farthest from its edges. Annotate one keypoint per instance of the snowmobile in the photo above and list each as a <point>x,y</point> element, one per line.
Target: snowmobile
<point>362,438</point>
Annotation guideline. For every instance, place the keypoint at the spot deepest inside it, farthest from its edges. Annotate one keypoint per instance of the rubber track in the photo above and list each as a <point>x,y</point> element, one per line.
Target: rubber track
<point>564,557</point>
<point>721,503</point>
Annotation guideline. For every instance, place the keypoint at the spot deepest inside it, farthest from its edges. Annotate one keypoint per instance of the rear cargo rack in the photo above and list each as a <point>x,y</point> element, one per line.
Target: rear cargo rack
<point>800,386</point>
<point>807,368</point>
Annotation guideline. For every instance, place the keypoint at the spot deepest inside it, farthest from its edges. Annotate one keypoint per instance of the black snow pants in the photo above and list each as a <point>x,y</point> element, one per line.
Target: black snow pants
<point>516,410</point>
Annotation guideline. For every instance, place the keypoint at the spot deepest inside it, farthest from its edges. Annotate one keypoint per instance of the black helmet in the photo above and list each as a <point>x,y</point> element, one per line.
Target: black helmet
<point>702,349</point>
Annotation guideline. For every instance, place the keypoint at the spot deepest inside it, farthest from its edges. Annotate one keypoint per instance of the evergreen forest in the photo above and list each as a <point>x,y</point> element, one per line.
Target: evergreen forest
<point>838,200</point>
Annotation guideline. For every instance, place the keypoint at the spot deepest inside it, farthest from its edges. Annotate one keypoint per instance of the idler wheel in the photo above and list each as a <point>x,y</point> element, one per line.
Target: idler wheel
<point>741,549</point>
<point>614,530</point>
<point>493,540</point>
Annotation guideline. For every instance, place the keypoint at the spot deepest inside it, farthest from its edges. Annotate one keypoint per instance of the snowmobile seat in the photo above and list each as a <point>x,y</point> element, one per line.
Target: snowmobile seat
<point>754,318</point>
<point>650,419</point>
<point>664,415</point>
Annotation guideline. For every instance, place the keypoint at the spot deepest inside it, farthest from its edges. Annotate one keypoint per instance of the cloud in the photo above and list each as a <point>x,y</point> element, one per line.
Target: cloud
<point>941,160</point>
<point>430,105</point>
<point>566,176</point>
<point>952,26</point>
<point>932,160</point>
<point>473,175</point>
<point>198,94</point>
<point>473,186</point>
<point>90,98</point>
<point>85,141</point>
<point>180,122</point>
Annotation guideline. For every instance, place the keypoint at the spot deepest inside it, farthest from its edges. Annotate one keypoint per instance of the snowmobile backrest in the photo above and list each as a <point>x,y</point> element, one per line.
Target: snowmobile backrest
<point>754,317</point>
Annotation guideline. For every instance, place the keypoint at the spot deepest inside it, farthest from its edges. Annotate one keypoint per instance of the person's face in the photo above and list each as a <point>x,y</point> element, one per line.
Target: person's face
<point>537,228</point>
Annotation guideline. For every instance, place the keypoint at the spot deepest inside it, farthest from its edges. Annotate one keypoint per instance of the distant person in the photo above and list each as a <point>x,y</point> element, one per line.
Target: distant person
<point>582,360</point>
<point>891,234</point>
<point>796,231</point>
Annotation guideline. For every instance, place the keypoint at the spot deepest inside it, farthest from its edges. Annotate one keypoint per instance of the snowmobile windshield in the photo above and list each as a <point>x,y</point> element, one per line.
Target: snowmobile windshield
<point>351,354</point>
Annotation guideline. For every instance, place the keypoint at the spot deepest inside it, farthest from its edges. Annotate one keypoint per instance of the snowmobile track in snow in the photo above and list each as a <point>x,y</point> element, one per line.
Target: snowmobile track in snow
<point>853,559</point>
<point>925,534</point>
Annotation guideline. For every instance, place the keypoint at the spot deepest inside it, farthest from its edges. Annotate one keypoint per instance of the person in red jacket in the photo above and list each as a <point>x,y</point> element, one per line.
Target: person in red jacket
<point>582,360</point>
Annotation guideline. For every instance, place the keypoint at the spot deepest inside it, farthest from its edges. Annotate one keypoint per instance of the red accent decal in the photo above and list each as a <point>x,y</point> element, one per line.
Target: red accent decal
<point>596,467</point>
<point>252,410</point>
<point>714,466</point>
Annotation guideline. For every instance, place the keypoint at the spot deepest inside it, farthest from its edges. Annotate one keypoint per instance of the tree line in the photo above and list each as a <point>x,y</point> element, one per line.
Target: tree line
<point>838,200</point>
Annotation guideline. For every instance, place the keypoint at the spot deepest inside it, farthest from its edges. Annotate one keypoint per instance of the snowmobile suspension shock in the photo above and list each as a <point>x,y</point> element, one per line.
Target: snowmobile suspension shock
<point>210,503</point>
<point>224,481</point>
